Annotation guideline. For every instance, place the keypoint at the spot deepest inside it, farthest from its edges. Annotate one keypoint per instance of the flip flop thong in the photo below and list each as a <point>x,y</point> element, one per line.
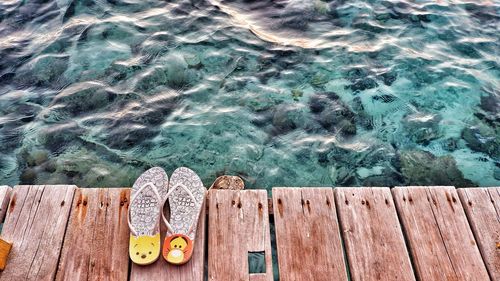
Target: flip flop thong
<point>186,196</point>
<point>148,196</point>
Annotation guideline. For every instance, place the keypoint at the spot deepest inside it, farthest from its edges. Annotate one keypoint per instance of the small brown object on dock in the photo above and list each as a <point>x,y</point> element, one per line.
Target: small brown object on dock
<point>228,182</point>
<point>4,252</point>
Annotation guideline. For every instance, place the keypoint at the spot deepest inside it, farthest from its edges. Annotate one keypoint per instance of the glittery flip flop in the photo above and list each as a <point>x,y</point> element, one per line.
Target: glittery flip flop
<point>148,196</point>
<point>186,196</point>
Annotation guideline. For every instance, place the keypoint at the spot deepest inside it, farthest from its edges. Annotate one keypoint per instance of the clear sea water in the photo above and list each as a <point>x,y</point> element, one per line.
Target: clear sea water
<point>282,93</point>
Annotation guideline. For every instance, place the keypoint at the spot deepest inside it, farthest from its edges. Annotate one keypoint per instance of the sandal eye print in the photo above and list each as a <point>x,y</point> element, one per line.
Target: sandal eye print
<point>186,196</point>
<point>177,248</point>
<point>147,197</point>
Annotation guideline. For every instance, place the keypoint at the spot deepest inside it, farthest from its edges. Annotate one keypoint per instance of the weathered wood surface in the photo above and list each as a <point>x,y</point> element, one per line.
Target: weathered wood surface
<point>58,236</point>
<point>372,235</point>
<point>96,242</point>
<point>35,223</point>
<point>439,237</point>
<point>5,192</point>
<point>238,224</point>
<point>482,206</point>
<point>307,235</point>
<point>161,270</point>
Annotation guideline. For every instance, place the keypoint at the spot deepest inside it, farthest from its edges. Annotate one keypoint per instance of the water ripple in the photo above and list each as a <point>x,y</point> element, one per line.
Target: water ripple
<point>280,92</point>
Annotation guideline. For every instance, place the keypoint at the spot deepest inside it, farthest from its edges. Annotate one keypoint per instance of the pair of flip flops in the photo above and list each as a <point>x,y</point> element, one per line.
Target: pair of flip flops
<point>186,194</point>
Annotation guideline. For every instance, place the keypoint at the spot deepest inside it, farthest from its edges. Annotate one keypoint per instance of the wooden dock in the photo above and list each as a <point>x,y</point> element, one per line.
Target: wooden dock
<point>403,233</point>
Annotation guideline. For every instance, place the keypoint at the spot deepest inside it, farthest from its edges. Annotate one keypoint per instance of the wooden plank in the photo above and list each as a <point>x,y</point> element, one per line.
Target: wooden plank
<point>482,207</point>
<point>372,234</point>
<point>96,243</point>
<point>440,239</point>
<point>35,223</point>
<point>161,270</point>
<point>308,235</point>
<point>5,192</point>
<point>238,223</point>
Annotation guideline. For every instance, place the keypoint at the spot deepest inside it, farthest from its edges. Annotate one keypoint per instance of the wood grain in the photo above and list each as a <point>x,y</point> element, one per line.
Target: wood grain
<point>5,192</point>
<point>372,235</point>
<point>440,239</point>
<point>308,235</point>
<point>35,223</point>
<point>482,206</point>
<point>238,224</point>
<point>161,270</point>
<point>96,242</point>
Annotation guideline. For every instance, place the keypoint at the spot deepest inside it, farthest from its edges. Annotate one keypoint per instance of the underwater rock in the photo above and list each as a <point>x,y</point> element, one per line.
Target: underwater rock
<point>37,157</point>
<point>388,179</point>
<point>193,60</point>
<point>128,135</point>
<point>423,168</point>
<point>451,144</point>
<point>388,78</point>
<point>362,117</point>
<point>384,98</point>
<point>363,84</point>
<point>319,79</point>
<point>288,117</point>
<point>422,128</point>
<point>44,70</point>
<point>151,79</point>
<point>297,94</point>
<point>28,176</point>
<point>215,61</point>
<point>59,136</point>
<point>177,71</point>
<point>483,138</point>
<point>263,119</point>
<point>496,171</point>
<point>341,175</point>
<point>120,71</point>
<point>361,79</point>
<point>262,103</point>
<point>80,98</point>
<point>491,104</point>
<point>50,166</point>
<point>332,113</point>
<point>335,154</point>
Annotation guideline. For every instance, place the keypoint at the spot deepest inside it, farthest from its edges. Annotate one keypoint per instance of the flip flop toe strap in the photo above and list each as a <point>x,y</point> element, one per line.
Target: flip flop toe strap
<point>134,198</point>
<point>188,191</point>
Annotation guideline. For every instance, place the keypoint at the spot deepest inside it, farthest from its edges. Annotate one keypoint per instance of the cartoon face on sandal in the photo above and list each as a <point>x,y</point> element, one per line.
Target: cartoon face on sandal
<point>144,249</point>
<point>178,248</point>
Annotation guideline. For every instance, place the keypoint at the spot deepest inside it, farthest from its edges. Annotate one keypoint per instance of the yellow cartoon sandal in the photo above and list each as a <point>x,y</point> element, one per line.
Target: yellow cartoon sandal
<point>147,198</point>
<point>186,196</point>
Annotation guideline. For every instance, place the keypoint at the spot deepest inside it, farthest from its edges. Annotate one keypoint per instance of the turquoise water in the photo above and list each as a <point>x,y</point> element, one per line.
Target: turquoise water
<point>282,93</point>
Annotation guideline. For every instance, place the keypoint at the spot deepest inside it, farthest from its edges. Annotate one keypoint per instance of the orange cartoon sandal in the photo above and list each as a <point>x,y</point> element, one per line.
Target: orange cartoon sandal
<point>186,196</point>
<point>147,196</point>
